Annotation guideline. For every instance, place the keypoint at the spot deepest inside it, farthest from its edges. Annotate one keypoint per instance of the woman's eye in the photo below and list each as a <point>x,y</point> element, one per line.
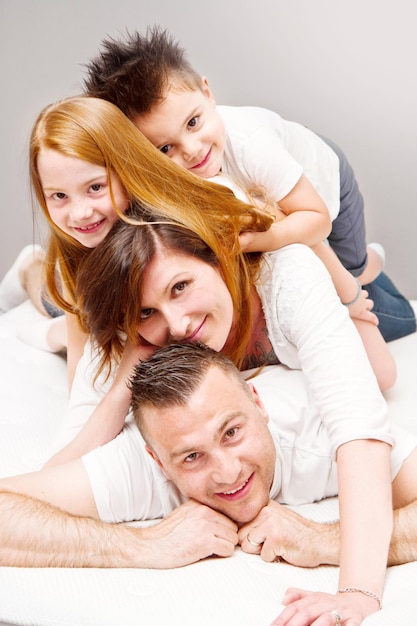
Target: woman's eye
<point>193,122</point>
<point>179,287</point>
<point>60,195</point>
<point>165,149</point>
<point>96,187</point>
<point>145,313</point>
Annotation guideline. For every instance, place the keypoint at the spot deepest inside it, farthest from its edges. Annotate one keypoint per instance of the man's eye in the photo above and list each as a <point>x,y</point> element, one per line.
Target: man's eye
<point>191,457</point>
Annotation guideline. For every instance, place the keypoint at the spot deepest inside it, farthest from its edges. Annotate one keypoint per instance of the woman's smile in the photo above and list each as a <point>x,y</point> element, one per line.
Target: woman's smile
<point>184,299</point>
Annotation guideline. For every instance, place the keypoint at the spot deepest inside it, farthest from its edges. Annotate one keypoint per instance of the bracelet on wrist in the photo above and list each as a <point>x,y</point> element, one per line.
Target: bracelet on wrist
<point>356,298</point>
<point>365,592</point>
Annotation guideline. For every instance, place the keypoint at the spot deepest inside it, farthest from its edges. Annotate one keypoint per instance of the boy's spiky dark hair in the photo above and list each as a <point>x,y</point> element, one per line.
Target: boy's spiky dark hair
<point>135,73</point>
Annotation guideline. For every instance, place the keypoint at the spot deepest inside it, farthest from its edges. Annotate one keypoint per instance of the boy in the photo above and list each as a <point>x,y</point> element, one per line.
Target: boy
<point>151,81</point>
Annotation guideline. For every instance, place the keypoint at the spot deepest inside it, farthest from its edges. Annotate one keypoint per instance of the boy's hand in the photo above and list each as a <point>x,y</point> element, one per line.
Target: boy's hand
<point>264,241</point>
<point>252,241</point>
<point>362,309</point>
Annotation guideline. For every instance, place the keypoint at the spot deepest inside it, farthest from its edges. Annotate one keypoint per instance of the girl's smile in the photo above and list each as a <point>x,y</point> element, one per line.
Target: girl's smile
<point>77,196</point>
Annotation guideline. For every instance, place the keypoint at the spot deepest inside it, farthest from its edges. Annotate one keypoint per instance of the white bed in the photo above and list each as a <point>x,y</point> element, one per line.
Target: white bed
<point>239,591</point>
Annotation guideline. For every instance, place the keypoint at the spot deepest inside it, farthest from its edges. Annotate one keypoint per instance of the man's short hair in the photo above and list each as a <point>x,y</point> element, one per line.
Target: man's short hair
<point>135,74</point>
<point>172,374</point>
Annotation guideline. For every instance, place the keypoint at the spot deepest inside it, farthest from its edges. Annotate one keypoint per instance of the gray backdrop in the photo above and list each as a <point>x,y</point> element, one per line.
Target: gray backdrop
<point>345,69</point>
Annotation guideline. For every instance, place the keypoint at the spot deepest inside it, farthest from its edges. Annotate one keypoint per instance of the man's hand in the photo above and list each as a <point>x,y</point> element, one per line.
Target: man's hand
<point>190,533</point>
<point>283,534</point>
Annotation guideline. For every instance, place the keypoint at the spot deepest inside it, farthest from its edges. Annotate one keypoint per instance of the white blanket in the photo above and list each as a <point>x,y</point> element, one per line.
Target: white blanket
<point>238,591</point>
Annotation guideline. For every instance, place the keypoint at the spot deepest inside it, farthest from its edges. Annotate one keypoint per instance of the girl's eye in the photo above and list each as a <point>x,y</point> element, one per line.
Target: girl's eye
<point>193,122</point>
<point>179,287</point>
<point>96,187</point>
<point>165,149</point>
<point>191,457</point>
<point>60,195</point>
<point>145,313</point>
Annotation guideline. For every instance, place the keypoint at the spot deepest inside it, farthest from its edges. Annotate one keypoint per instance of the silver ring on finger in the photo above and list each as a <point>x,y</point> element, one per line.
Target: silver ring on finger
<point>256,544</point>
<point>338,617</point>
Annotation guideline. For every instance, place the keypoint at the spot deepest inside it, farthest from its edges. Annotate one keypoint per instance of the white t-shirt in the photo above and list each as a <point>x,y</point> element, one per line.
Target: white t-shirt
<point>264,150</point>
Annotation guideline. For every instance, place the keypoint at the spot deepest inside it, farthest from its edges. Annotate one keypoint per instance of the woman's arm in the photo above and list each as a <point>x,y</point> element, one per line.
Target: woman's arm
<point>313,330</point>
<point>366,514</point>
<point>76,343</point>
<point>108,418</point>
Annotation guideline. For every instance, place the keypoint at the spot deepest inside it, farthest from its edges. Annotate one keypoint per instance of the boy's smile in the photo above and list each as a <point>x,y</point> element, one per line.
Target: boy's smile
<point>187,128</point>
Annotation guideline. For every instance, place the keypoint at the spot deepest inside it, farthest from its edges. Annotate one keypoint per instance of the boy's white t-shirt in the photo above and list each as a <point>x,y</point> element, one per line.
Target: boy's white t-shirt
<point>264,150</point>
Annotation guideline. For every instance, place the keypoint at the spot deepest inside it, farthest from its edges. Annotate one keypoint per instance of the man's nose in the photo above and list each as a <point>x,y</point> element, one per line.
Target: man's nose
<point>226,469</point>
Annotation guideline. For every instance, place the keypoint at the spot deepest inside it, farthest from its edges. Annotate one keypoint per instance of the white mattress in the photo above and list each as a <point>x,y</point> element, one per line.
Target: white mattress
<point>238,591</point>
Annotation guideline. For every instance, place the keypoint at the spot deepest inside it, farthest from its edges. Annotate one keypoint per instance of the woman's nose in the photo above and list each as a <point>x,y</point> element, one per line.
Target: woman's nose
<point>179,326</point>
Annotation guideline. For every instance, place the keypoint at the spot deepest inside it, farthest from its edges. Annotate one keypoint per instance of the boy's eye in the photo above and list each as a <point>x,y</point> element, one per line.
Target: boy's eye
<point>165,149</point>
<point>193,122</point>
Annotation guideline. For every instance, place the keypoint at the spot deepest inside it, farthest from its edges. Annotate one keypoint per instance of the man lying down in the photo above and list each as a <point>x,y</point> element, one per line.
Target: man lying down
<point>203,453</point>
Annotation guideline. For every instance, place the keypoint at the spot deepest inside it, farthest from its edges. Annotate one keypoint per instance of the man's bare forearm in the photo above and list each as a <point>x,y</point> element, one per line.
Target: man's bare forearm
<point>36,534</point>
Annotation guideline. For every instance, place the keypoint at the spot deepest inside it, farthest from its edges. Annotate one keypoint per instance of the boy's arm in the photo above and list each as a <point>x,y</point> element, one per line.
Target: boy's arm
<point>347,287</point>
<point>108,418</point>
<point>304,219</point>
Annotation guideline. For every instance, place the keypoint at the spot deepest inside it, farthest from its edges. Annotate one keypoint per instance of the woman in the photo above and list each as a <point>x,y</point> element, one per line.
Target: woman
<point>181,294</point>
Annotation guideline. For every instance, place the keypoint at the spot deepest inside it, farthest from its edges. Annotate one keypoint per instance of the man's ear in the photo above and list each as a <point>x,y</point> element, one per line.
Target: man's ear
<point>257,399</point>
<point>156,458</point>
<point>206,89</point>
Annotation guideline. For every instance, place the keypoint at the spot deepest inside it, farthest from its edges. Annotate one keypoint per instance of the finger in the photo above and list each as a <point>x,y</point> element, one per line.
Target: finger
<point>222,547</point>
<point>245,240</point>
<point>293,594</point>
<point>371,317</point>
<point>271,551</point>
<point>251,543</point>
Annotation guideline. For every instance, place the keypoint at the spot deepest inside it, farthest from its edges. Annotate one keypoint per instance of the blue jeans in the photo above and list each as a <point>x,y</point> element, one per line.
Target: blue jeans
<point>395,314</point>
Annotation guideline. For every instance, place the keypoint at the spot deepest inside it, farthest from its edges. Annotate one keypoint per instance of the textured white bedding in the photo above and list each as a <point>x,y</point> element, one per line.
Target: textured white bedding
<point>239,591</point>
